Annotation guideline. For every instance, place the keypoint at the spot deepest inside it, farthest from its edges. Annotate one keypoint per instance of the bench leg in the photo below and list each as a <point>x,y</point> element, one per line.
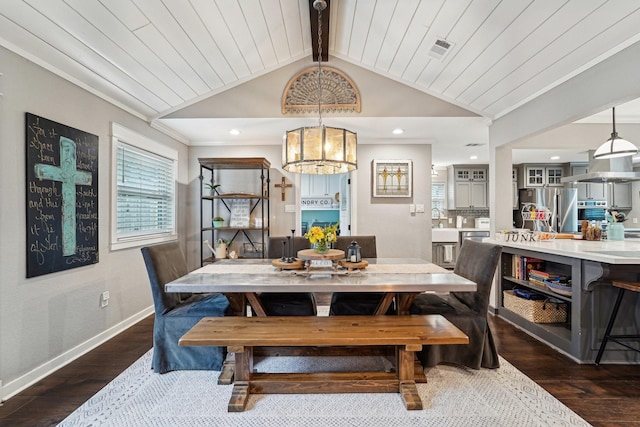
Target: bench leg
<point>408,389</point>
<point>239,397</point>
<point>410,396</point>
<point>226,375</point>
<point>243,366</point>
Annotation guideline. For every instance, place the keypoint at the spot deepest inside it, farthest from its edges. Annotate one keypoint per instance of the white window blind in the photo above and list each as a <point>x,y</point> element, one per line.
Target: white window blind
<point>145,192</point>
<point>438,197</point>
<point>144,197</point>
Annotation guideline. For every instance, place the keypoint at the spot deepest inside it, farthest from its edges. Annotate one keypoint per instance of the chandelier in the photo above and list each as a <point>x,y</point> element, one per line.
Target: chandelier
<point>615,146</point>
<point>319,150</point>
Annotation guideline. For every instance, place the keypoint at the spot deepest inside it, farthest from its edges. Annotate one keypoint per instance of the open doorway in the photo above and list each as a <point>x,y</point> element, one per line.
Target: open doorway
<point>325,200</point>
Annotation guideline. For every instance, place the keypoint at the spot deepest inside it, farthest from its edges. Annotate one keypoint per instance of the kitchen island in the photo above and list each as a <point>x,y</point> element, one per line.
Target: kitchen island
<point>591,266</point>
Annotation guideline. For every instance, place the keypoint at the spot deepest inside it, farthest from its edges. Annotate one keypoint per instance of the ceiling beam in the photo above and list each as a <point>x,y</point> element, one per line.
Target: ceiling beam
<point>313,20</point>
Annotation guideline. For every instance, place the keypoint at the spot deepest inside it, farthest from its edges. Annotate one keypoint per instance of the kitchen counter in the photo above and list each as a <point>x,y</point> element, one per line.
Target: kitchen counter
<point>444,235</point>
<point>591,266</point>
<point>605,251</point>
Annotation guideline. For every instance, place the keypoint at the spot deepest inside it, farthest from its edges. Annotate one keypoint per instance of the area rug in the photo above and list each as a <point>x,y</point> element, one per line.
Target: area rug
<point>452,397</point>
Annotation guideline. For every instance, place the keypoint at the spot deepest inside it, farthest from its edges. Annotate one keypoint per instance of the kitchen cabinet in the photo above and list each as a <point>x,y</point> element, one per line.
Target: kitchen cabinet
<point>538,176</point>
<point>444,254</point>
<point>588,304</point>
<point>470,174</point>
<point>467,187</point>
<point>242,199</point>
<point>588,190</point>
<point>619,195</point>
<point>319,185</point>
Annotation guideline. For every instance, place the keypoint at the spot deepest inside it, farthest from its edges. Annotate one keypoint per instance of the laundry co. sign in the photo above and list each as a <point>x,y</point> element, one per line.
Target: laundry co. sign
<point>316,202</point>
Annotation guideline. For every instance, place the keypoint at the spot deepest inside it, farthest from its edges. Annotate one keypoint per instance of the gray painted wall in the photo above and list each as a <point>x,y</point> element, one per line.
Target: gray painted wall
<point>399,234</point>
<point>49,320</point>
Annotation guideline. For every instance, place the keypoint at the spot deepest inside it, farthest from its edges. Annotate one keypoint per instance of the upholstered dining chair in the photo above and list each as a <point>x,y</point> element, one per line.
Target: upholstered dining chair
<point>354,303</point>
<point>293,303</point>
<point>477,261</point>
<point>176,313</point>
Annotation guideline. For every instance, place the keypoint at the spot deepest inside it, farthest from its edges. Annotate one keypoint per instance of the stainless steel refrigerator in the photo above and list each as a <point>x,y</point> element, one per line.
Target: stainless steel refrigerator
<point>562,202</point>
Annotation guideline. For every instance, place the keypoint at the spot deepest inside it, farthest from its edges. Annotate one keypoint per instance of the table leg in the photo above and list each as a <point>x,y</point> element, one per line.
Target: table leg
<point>384,304</point>
<point>256,304</point>
<point>238,303</point>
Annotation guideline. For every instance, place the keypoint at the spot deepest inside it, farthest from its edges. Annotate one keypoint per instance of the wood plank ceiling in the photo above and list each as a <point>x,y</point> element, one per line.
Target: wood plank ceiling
<point>156,56</point>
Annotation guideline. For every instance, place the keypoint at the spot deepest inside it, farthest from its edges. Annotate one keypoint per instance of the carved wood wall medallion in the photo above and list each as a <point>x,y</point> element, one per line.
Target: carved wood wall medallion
<point>339,93</point>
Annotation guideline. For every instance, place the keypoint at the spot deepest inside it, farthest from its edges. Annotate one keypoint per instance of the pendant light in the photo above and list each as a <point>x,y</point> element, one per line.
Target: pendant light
<point>321,149</point>
<point>433,171</point>
<point>615,146</point>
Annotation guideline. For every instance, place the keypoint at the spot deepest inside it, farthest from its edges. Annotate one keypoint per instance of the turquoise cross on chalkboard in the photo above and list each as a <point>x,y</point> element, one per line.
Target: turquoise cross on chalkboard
<point>70,177</point>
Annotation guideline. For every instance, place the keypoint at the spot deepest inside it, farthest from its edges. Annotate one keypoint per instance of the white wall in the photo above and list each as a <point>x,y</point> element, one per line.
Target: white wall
<point>49,320</point>
<point>398,233</point>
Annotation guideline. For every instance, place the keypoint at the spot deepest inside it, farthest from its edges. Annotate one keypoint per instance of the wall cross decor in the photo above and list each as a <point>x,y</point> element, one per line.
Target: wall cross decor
<point>283,186</point>
<point>62,196</point>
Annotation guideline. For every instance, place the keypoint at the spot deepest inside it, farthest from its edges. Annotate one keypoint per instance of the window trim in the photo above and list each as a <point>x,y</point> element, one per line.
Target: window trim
<point>120,134</point>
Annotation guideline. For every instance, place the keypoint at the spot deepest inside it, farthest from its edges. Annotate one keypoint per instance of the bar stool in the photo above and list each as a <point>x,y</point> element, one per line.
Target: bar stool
<point>624,286</point>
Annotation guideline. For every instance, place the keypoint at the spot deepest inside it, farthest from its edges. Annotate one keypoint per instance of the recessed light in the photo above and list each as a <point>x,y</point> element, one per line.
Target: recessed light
<point>473,157</point>
<point>554,157</point>
<point>234,132</point>
<point>398,131</point>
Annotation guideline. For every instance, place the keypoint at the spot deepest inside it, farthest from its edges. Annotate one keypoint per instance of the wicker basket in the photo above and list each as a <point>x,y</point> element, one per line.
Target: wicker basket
<point>536,311</point>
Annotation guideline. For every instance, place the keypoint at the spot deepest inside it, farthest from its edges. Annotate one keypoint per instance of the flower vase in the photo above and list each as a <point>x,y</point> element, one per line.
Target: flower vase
<point>321,247</point>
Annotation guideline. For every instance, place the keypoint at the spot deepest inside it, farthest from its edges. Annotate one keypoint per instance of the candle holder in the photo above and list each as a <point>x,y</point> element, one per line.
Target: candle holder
<point>291,258</point>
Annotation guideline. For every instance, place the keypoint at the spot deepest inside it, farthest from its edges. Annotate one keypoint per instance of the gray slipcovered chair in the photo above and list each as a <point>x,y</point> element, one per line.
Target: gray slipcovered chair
<point>176,313</point>
<point>356,303</point>
<point>468,311</point>
<point>292,303</point>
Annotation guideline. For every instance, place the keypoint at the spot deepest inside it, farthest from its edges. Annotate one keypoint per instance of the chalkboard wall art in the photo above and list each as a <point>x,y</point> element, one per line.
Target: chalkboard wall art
<point>62,197</point>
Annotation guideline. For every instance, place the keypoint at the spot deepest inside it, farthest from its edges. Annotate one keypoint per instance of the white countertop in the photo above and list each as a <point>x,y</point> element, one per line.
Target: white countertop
<point>605,251</point>
<point>449,235</point>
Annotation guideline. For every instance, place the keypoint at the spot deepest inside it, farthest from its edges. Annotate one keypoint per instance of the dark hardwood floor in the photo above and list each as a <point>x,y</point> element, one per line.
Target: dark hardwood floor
<point>607,395</point>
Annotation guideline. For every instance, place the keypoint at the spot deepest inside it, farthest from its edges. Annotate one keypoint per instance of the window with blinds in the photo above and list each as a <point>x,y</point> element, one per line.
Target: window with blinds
<point>145,192</point>
<point>438,200</point>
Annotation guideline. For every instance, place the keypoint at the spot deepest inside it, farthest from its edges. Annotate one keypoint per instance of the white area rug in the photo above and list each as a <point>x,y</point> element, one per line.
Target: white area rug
<point>452,397</point>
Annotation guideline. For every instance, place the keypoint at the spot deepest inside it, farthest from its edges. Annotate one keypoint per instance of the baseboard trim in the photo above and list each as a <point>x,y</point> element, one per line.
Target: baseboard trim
<point>14,387</point>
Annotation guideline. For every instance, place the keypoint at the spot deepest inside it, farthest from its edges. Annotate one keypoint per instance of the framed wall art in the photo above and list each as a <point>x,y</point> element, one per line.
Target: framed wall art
<point>392,178</point>
<point>62,197</point>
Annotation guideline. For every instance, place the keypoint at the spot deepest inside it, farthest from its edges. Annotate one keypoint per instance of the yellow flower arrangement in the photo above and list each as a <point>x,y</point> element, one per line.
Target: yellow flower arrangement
<point>320,238</point>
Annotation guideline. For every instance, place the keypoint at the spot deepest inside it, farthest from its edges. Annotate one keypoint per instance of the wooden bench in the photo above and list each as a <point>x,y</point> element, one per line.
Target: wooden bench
<point>241,334</point>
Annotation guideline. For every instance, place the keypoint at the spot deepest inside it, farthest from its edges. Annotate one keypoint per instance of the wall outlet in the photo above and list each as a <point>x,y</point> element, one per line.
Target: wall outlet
<point>412,208</point>
<point>634,220</point>
<point>450,220</point>
<point>104,299</point>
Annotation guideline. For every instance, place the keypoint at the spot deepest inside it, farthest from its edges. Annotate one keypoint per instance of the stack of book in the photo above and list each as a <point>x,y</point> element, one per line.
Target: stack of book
<point>538,277</point>
<point>521,266</point>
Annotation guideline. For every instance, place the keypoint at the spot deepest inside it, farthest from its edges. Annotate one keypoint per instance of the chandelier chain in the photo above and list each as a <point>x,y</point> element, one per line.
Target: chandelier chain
<point>319,66</point>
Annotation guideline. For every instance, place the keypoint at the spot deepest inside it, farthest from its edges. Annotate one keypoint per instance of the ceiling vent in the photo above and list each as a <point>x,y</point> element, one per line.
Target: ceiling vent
<point>440,49</point>
<point>473,144</point>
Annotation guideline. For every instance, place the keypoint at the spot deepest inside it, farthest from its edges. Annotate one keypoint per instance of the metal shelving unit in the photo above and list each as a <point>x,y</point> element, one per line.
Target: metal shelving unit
<point>231,174</point>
